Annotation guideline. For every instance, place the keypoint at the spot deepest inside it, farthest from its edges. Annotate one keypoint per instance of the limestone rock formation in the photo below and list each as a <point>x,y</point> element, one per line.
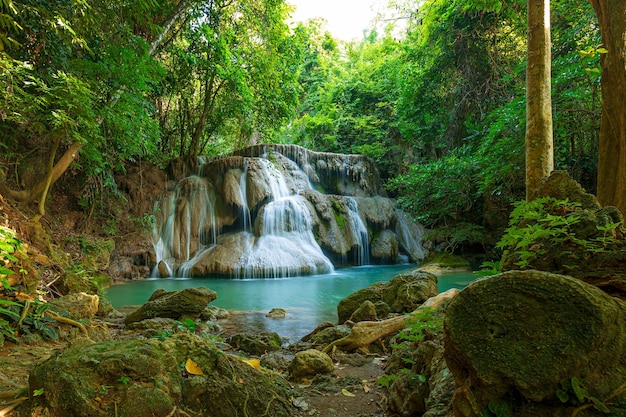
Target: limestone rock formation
<point>279,210</point>
<point>537,343</point>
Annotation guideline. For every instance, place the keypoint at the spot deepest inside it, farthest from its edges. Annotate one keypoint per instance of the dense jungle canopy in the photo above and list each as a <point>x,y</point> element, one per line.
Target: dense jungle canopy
<point>436,97</point>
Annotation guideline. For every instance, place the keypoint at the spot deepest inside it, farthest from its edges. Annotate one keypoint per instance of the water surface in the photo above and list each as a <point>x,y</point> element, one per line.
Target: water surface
<point>309,301</point>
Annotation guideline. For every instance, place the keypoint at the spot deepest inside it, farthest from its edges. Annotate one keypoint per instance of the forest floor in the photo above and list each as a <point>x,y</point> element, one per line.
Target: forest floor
<point>352,390</point>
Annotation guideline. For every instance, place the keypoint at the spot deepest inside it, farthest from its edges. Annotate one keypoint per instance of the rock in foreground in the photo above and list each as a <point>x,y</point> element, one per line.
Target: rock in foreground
<point>155,378</point>
<point>189,302</point>
<point>536,343</point>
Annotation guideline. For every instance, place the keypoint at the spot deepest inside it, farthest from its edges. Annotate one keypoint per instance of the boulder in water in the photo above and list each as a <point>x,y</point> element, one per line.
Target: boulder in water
<point>189,302</point>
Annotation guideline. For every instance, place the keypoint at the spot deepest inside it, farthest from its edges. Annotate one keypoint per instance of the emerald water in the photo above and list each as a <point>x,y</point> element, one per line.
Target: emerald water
<point>309,300</point>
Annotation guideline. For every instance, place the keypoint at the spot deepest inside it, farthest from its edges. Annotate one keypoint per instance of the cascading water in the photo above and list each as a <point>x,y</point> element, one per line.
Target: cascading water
<point>276,211</point>
<point>286,243</point>
<point>187,224</point>
<point>361,236</point>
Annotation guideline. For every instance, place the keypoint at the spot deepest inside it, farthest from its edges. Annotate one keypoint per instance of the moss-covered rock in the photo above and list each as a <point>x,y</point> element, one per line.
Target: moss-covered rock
<point>308,363</point>
<point>532,340</point>
<point>256,344</point>
<point>442,262</point>
<point>365,312</point>
<point>151,377</point>
<point>403,293</point>
<point>189,302</point>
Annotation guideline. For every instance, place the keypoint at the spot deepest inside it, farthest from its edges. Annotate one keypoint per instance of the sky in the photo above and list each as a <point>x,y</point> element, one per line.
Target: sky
<point>346,18</point>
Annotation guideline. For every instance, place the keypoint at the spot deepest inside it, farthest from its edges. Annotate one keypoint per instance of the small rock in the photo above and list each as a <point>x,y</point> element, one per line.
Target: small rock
<point>277,313</point>
<point>308,363</point>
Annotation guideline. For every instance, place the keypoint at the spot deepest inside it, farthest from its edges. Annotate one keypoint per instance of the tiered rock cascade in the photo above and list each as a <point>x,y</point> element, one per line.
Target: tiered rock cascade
<point>279,211</point>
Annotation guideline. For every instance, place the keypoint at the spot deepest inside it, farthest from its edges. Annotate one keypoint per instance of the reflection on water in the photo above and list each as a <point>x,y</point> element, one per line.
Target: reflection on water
<point>309,301</point>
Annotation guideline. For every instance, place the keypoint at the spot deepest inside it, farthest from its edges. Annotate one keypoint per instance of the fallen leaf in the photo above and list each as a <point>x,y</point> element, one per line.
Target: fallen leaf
<point>192,367</point>
<point>255,363</point>
<point>366,388</point>
<point>347,393</point>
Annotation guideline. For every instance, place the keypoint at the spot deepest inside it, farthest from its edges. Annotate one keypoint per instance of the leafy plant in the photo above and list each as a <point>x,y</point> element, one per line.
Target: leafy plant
<point>539,226</point>
<point>422,323</point>
<point>489,268</point>
<point>124,379</point>
<point>189,324</point>
<point>575,391</point>
<point>497,410</point>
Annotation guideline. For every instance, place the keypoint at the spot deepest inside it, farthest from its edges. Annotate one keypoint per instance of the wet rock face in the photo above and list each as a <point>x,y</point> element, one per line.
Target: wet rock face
<point>527,338</point>
<point>150,378</point>
<point>403,293</point>
<point>276,211</point>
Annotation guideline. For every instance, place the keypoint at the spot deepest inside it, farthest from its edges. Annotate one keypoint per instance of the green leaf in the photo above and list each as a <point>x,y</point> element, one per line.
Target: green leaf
<point>562,395</point>
<point>579,389</point>
<point>6,271</point>
<point>599,405</point>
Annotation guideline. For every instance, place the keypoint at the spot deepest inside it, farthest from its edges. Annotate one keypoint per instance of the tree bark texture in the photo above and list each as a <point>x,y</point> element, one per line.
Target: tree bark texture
<point>612,148</point>
<point>539,142</point>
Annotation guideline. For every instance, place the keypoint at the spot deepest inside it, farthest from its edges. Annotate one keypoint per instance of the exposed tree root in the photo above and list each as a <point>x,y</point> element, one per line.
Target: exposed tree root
<point>366,332</point>
<point>65,320</point>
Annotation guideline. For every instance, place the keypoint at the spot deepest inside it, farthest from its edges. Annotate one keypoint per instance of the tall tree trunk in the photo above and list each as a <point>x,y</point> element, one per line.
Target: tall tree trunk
<point>539,142</point>
<point>612,148</point>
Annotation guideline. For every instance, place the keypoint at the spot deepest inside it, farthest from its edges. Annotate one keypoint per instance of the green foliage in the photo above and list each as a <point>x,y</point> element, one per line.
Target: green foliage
<point>452,236</point>
<point>189,324</point>
<point>575,391</point>
<point>489,268</point>
<point>497,410</point>
<point>544,224</point>
<point>426,322</point>
<point>124,379</point>
<point>440,191</point>
<point>25,318</point>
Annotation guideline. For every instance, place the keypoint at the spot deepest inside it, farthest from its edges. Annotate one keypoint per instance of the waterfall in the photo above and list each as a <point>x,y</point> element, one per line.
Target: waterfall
<point>243,195</point>
<point>186,223</point>
<point>359,232</point>
<point>278,211</point>
<point>286,245</point>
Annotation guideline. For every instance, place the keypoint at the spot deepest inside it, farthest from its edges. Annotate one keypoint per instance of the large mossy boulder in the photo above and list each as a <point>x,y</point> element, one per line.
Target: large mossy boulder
<point>538,344</point>
<point>151,378</point>
<point>189,302</point>
<point>403,293</point>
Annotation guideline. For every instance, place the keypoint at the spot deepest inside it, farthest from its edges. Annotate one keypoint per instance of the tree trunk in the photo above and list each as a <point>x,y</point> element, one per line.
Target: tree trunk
<point>539,143</point>
<point>612,148</point>
<point>27,196</point>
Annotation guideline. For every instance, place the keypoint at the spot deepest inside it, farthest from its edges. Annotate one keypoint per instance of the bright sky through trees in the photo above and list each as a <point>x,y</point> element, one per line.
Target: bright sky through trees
<point>346,18</point>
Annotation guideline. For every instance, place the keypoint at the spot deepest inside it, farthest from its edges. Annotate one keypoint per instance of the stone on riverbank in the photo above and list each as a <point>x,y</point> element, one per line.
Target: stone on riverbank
<point>403,293</point>
<point>308,363</point>
<point>189,302</point>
